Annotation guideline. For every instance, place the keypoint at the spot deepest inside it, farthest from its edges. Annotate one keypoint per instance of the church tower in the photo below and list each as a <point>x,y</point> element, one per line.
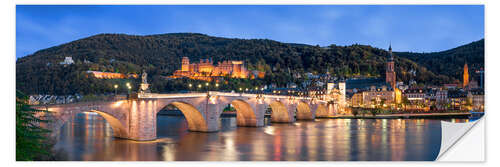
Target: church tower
<point>390,75</point>
<point>466,76</point>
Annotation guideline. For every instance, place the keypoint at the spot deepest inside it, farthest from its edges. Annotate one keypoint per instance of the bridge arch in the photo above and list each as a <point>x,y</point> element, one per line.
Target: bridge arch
<point>322,110</point>
<point>279,112</point>
<point>245,115</point>
<point>194,118</point>
<point>60,116</point>
<point>304,111</point>
<point>118,129</point>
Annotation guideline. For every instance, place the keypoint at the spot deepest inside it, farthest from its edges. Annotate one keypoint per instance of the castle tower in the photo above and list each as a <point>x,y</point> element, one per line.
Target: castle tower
<point>466,76</point>
<point>390,75</point>
<point>185,64</point>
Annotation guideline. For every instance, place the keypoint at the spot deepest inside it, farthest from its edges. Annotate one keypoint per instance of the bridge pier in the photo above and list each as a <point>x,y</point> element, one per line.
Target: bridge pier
<point>142,120</point>
<point>212,114</point>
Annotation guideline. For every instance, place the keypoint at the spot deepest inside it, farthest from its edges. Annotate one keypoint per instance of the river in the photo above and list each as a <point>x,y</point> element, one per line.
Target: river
<point>89,137</point>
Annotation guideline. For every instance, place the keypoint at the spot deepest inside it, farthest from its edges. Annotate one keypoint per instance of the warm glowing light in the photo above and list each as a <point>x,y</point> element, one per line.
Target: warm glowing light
<point>128,84</point>
<point>206,84</point>
<point>190,85</point>
<point>241,89</point>
<point>116,86</point>
<point>199,85</point>
<point>213,99</point>
<point>246,89</point>
<point>216,85</point>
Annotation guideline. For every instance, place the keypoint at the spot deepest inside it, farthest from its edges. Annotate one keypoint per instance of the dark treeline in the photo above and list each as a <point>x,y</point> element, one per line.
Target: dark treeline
<point>160,55</point>
<point>451,62</point>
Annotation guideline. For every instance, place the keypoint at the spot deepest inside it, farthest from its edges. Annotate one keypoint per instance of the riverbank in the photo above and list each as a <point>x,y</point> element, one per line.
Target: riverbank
<point>409,115</point>
<point>366,116</point>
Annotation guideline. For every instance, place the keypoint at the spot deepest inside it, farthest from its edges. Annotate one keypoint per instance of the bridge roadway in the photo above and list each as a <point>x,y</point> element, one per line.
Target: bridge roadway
<point>135,119</point>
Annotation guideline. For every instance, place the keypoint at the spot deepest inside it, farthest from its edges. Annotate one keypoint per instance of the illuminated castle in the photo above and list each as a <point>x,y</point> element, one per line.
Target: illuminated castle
<point>205,70</point>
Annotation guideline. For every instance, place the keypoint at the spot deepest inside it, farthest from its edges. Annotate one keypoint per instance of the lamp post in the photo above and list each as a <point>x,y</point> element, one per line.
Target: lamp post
<point>190,86</point>
<point>116,86</point>
<point>129,87</point>
<point>207,85</point>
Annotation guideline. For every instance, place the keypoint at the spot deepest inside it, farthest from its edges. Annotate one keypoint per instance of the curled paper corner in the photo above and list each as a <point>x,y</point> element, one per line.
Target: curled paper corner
<point>451,133</point>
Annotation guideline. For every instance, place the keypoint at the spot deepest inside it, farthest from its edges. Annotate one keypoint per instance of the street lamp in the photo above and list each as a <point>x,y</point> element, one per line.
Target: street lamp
<point>116,86</point>
<point>129,87</point>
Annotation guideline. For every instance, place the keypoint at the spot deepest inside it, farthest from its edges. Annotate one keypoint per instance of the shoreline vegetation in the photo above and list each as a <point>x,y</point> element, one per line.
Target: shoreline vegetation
<point>33,141</point>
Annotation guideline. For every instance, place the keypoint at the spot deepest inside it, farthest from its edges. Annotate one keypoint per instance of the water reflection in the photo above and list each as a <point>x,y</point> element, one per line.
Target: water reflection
<point>89,137</point>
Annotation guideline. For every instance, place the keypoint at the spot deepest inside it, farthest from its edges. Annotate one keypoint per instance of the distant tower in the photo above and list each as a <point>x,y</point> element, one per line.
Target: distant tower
<point>466,75</point>
<point>390,75</point>
<point>342,94</point>
<point>185,64</point>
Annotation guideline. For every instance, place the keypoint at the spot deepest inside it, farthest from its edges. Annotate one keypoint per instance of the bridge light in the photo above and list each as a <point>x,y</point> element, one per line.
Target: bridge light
<point>128,84</point>
<point>216,85</point>
<point>256,88</point>
<point>246,89</point>
<point>199,85</point>
<point>206,84</point>
<point>241,89</point>
<point>190,85</point>
<point>116,86</point>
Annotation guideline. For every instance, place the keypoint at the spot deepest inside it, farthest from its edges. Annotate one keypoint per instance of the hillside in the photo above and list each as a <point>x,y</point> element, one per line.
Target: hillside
<point>160,55</point>
<point>447,62</point>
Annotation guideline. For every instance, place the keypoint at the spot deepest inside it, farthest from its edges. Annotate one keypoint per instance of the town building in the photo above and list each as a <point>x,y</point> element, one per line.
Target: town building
<point>477,98</point>
<point>417,99</point>
<point>457,99</point>
<point>378,97</point>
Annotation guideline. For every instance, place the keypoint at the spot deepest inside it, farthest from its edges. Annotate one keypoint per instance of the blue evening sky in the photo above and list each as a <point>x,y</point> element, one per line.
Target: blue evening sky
<point>415,28</point>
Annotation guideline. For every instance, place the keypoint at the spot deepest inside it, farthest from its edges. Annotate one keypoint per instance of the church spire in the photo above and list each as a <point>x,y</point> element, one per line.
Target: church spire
<point>391,57</point>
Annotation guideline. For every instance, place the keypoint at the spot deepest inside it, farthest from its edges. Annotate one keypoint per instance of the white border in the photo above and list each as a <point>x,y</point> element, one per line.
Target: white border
<point>7,9</point>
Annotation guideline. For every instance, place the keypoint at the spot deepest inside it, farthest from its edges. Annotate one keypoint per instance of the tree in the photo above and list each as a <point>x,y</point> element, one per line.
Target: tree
<point>355,111</point>
<point>32,142</point>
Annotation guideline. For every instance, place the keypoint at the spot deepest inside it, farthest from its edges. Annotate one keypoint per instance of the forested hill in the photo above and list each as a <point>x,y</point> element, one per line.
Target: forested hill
<point>160,55</point>
<point>447,62</point>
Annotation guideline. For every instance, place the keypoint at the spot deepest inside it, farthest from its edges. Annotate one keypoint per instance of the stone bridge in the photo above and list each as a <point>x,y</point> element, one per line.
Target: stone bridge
<point>136,118</point>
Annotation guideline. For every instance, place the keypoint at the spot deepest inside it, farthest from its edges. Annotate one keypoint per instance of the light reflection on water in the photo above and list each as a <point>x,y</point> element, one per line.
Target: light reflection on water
<point>89,137</point>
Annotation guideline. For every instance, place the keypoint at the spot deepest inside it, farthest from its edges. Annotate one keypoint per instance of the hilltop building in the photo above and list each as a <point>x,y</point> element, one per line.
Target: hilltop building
<point>67,61</point>
<point>206,70</point>
<point>111,75</point>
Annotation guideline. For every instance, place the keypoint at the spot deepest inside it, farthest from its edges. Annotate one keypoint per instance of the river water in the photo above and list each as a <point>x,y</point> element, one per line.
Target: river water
<point>89,137</point>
